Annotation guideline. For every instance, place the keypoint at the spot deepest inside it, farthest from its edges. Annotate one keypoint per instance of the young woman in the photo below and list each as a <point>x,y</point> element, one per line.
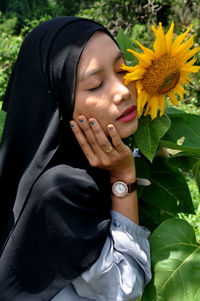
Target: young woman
<point>69,216</point>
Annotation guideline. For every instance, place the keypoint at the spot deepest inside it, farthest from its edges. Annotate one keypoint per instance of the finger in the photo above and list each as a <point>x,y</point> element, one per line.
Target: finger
<point>116,139</point>
<point>100,135</point>
<point>85,126</point>
<point>82,140</point>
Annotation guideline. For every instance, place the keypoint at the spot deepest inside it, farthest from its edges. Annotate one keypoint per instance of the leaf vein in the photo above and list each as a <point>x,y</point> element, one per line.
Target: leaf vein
<point>175,271</point>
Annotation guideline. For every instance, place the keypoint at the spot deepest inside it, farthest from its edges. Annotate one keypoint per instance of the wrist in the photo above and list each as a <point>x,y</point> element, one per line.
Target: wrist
<point>128,206</point>
<point>127,178</point>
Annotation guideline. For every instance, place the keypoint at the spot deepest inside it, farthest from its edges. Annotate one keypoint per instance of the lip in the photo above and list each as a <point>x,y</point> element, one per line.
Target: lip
<point>130,113</point>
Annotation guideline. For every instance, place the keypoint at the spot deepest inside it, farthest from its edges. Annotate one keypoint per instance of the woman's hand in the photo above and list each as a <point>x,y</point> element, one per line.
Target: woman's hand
<point>114,156</point>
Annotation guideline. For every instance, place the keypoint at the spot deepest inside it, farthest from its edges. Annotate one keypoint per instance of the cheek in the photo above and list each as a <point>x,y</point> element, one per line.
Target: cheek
<point>132,88</point>
<point>81,105</point>
<point>95,106</point>
<point>87,106</point>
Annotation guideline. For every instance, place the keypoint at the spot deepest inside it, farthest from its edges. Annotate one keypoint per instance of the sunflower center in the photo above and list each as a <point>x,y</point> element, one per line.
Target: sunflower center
<point>162,76</point>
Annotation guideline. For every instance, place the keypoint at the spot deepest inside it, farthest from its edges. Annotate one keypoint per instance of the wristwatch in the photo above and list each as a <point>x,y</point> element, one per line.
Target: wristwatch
<point>120,189</point>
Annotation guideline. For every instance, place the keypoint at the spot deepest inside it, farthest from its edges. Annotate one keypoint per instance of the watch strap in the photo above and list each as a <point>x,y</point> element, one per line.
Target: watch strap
<point>132,186</point>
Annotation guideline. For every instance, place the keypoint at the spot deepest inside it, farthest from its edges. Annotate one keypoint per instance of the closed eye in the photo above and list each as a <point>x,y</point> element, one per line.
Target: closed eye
<point>97,87</point>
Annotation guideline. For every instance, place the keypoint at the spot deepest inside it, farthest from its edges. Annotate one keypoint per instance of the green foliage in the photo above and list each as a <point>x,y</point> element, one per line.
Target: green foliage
<point>39,8</point>
<point>183,133</point>
<point>169,186</point>
<point>117,14</point>
<point>192,219</point>
<point>8,25</point>
<point>176,264</point>
<point>188,162</point>
<point>150,131</point>
<point>8,53</point>
<point>26,8</point>
<point>2,120</point>
<point>124,41</point>
<point>167,195</point>
<point>31,24</point>
<point>142,172</point>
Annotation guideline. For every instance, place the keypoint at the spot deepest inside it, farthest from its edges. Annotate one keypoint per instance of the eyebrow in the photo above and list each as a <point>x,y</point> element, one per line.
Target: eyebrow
<point>95,71</point>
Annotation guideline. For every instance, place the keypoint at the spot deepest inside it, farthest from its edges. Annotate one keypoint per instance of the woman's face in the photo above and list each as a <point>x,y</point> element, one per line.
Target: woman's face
<point>100,92</point>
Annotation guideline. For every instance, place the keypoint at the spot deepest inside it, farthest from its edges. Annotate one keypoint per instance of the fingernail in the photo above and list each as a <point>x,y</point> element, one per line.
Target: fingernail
<point>92,122</point>
<point>110,127</point>
<point>81,119</point>
<point>72,124</point>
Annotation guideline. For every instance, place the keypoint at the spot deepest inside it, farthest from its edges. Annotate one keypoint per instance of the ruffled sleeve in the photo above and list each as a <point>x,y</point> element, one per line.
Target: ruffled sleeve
<point>123,268</point>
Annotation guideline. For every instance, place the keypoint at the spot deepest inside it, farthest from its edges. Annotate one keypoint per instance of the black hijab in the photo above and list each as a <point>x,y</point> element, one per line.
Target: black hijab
<point>54,207</point>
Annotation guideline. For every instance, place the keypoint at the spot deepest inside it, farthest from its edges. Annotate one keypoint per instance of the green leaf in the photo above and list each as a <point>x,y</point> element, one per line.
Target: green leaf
<point>151,217</point>
<point>175,258</point>
<point>168,190</point>
<point>171,111</point>
<point>2,120</point>
<point>149,133</point>
<point>184,160</point>
<point>184,132</point>
<point>188,162</point>
<point>142,171</point>
<point>196,172</point>
<point>124,44</point>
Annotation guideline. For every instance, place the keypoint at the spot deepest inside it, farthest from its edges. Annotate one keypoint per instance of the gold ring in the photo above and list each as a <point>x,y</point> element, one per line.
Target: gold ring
<point>109,150</point>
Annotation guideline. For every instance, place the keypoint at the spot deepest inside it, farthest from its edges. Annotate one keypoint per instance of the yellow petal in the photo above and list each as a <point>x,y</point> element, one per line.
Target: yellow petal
<point>169,37</point>
<point>139,101</point>
<point>127,81</point>
<point>154,106</point>
<point>159,44</point>
<point>142,58</point>
<point>162,104</point>
<point>130,78</point>
<point>144,101</point>
<point>148,108</point>
<point>139,86</point>
<point>180,91</point>
<point>137,69</point>
<point>182,49</point>
<point>193,69</point>
<point>128,68</point>
<point>173,98</point>
<point>190,63</point>
<point>162,38</point>
<point>155,31</point>
<point>188,67</point>
<point>184,78</point>
<point>180,38</point>
<point>190,54</point>
<point>138,74</point>
<point>148,52</point>
<point>141,98</point>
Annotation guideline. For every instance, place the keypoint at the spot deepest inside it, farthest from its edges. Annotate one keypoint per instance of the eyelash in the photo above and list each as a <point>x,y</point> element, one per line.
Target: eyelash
<point>122,72</point>
<point>96,88</point>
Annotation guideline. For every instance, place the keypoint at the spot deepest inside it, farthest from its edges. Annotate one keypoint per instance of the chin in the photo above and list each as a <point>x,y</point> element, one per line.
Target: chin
<point>129,129</point>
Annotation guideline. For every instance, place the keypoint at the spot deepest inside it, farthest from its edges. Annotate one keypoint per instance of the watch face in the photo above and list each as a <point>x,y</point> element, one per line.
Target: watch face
<point>120,189</point>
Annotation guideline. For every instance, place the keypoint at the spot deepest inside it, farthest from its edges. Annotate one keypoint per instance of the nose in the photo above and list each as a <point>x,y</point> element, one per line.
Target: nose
<point>120,92</point>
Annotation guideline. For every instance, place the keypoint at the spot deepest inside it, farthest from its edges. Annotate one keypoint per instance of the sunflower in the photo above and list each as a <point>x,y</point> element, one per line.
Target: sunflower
<point>163,71</point>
